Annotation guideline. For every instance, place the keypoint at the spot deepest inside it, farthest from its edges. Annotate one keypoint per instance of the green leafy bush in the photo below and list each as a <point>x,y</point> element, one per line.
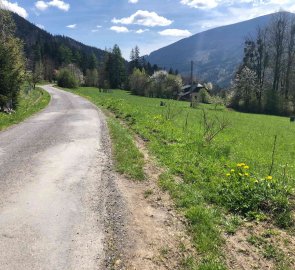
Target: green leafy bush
<point>67,79</point>
<point>203,96</point>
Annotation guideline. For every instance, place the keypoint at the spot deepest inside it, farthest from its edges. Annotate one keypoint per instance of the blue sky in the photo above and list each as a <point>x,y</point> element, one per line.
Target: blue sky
<point>150,24</point>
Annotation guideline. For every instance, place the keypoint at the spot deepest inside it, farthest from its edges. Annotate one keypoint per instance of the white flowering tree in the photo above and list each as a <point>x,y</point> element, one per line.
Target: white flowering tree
<point>165,85</point>
<point>245,87</point>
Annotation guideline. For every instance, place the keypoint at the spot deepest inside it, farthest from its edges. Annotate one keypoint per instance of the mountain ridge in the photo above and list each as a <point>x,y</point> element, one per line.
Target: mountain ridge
<point>216,52</point>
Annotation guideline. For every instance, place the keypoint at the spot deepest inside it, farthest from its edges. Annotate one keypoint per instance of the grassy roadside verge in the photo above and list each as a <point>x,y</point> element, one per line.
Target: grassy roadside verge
<point>128,160</point>
<point>217,190</point>
<point>29,103</point>
<point>204,221</point>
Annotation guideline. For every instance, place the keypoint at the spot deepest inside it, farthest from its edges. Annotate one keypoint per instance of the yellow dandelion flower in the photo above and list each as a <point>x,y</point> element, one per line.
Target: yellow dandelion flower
<point>247,174</point>
<point>246,167</point>
<point>239,165</point>
<point>268,178</point>
<point>240,174</point>
<point>228,174</point>
<point>232,170</point>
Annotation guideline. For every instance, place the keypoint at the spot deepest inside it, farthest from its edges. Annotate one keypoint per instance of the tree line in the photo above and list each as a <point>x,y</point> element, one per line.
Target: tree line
<point>114,72</point>
<point>265,82</point>
<point>12,63</point>
<point>151,81</point>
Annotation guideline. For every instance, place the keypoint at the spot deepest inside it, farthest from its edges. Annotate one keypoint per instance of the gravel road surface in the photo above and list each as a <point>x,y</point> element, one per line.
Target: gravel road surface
<point>56,188</point>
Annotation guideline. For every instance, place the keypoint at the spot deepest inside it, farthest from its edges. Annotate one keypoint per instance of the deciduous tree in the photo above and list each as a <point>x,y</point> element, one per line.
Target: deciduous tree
<point>12,71</point>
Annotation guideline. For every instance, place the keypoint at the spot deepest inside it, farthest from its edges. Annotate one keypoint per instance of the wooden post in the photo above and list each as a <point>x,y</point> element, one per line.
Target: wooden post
<point>192,74</point>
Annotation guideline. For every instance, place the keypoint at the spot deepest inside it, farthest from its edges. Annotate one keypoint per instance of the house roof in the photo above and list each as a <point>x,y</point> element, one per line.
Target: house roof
<point>182,94</point>
<point>195,86</point>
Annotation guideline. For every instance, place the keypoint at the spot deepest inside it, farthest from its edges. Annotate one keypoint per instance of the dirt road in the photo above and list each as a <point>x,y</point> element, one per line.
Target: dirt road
<point>55,184</point>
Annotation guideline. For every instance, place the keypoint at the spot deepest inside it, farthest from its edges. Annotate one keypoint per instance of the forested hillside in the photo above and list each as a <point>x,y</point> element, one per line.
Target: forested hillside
<point>54,51</point>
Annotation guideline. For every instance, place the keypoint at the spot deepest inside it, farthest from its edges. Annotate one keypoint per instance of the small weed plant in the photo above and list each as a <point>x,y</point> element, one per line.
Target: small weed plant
<point>245,193</point>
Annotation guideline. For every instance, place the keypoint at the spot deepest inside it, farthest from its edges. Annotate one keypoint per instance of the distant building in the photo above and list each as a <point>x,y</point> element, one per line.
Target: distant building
<point>189,92</point>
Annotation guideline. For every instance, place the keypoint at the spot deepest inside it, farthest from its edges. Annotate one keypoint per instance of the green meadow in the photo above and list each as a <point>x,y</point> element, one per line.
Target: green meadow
<point>248,138</point>
<point>229,162</point>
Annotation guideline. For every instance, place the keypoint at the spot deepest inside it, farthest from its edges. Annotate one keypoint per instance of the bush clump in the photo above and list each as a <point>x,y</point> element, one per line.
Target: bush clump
<point>67,79</point>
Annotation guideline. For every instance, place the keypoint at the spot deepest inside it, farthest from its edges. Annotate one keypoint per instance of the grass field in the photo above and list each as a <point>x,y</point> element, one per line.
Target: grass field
<point>225,178</point>
<point>249,138</point>
<point>29,103</point>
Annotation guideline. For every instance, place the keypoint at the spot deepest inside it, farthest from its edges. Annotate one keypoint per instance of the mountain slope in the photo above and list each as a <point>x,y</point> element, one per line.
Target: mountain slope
<point>58,50</point>
<point>216,53</point>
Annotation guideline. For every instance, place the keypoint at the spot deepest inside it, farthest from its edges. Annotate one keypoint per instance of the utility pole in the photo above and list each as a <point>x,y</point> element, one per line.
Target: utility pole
<point>192,74</point>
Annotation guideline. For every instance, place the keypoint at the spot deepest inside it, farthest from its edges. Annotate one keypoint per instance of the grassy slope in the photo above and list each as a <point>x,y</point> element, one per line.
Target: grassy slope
<point>28,104</point>
<point>248,139</point>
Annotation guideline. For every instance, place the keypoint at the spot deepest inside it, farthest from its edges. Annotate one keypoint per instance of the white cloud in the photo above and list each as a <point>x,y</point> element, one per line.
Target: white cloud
<point>96,29</point>
<point>41,26</point>
<point>201,4</point>
<point>211,4</point>
<point>42,5</point>
<point>14,7</point>
<point>280,2</point>
<point>59,4</point>
<point>120,29</point>
<point>133,1</point>
<point>235,15</point>
<point>72,26</point>
<point>234,11</point>
<point>146,18</point>
<point>141,31</point>
<point>175,33</point>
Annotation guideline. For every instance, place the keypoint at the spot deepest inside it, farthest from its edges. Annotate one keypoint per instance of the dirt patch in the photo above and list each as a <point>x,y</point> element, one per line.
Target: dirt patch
<point>157,233</point>
<point>260,246</point>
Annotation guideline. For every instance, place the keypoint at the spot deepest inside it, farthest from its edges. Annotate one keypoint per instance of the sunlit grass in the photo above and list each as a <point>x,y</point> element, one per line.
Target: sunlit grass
<point>29,103</point>
<point>174,134</point>
<point>128,159</point>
